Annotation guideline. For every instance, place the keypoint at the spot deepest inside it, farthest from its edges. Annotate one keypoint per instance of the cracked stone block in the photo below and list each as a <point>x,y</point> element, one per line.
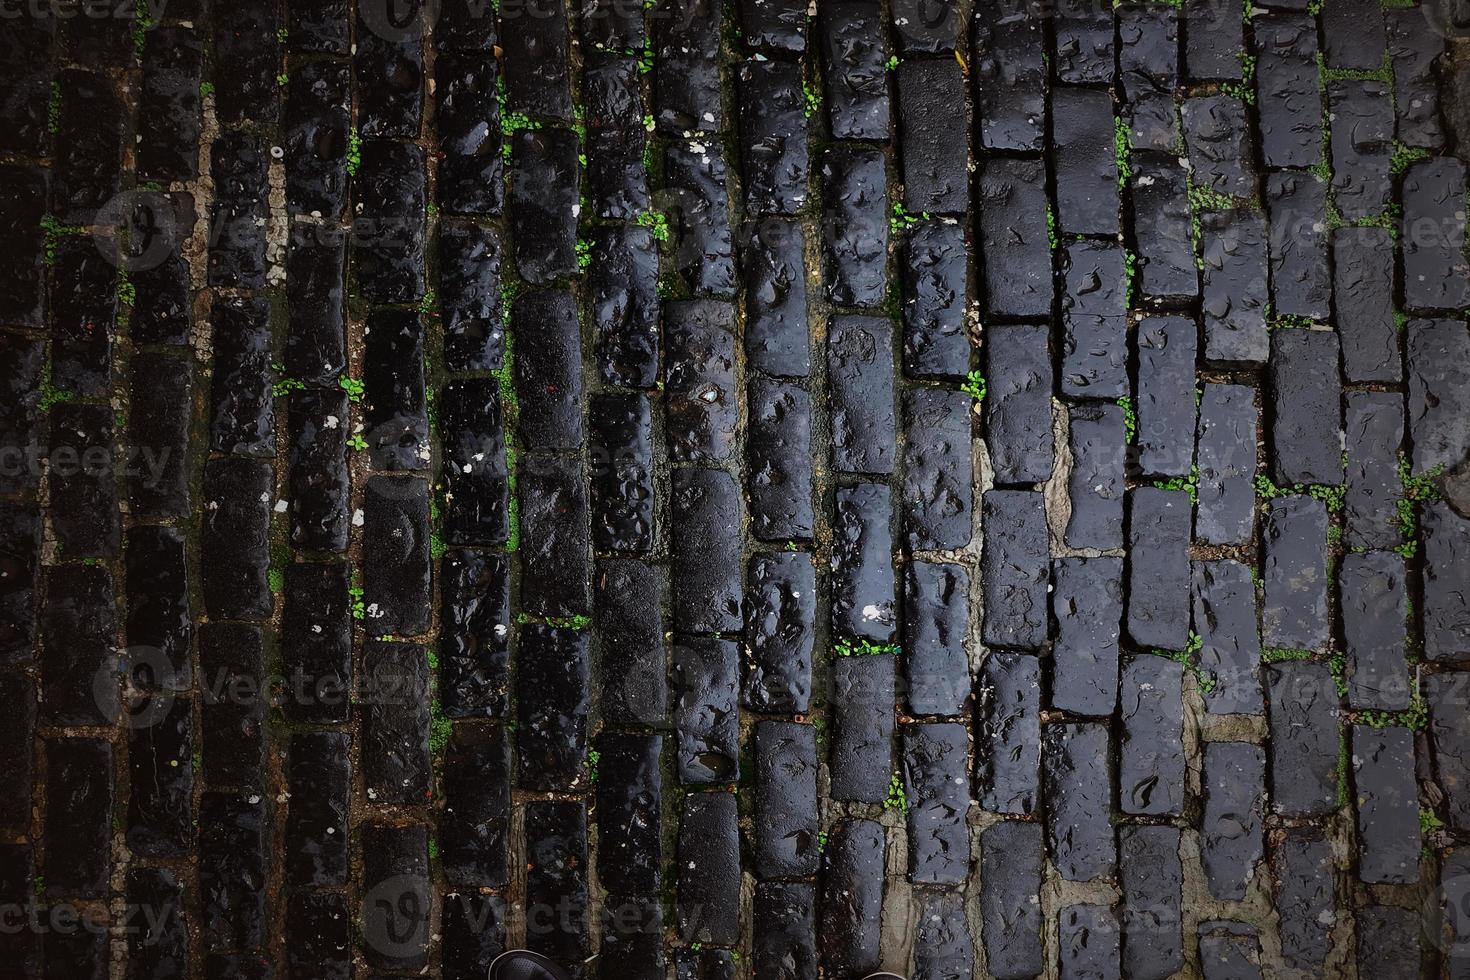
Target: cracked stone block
<point>855,225</point>
<point>1151,762</point>
<point>1288,99</point>
<point>777,339</point>
<point>1086,162</point>
<point>1232,826</point>
<point>555,537</point>
<point>1018,371</point>
<point>936,622</point>
<point>396,563</point>
<point>702,396</point>
<point>1388,942</point>
<point>474,828</point>
<point>1301,700</point>
<point>1158,567</point>
<point>1008,732</point>
<point>1084,39</point>
<point>1222,151</point>
<point>1152,120</point>
<point>1015,569</point>
<point>1097,439</point>
<point>470,261</point>
<point>317,628</point>
<point>1306,397</point>
<point>933,130</point>
<point>1011,857</point>
<point>1446,580</point>
<point>1077,785</point>
<point>778,447</point>
<point>937,469</point>
<point>1374,431</point>
<point>1233,253</point>
<point>852,897</point>
<point>784,927</point>
<point>1148,49</point>
<point>1374,607</point>
<point>232,865</point>
<point>780,632</point>
<point>1087,604</point>
<point>1009,69</point>
<point>233,728</point>
<point>1362,286</point>
<point>234,547</point>
<point>864,596</point>
<point>554,669</point>
<point>1414,45</point>
<point>1014,238</point>
<point>1229,951</point>
<point>1089,942</point>
<point>542,202</point>
<point>1151,877</point>
<point>160,816</point>
<point>623,278</point>
<point>1094,361</point>
<point>1226,619</point>
<point>943,946</point>
<point>706,714</point>
<point>709,870</point>
<point>937,787</point>
<point>629,821</point>
<point>1439,393</point>
<point>934,273</point>
<point>687,86</point>
<point>388,234</point>
<point>1449,733</point>
<point>1306,896</point>
<point>1165,397</point>
<point>623,494</point>
<point>1387,803</point>
<point>395,729</point>
<point>319,779</point>
<point>786,800</point>
<point>705,563</point>
<point>1226,457</point>
<point>856,83</point>
<point>698,211</point>
<point>476,483</point>
<point>860,758</point>
<point>1301,282</point>
<point>773,145</point>
<point>1294,574</point>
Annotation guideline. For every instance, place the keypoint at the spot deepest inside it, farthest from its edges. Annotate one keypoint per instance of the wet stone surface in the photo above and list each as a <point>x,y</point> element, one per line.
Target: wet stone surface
<point>1018,403</point>
<point>1008,724</point>
<point>1097,438</point>
<point>1301,699</point>
<point>1225,617</point>
<point>937,472</point>
<point>1294,575</point>
<point>1151,878</point>
<point>1301,861</point>
<point>1077,783</point>
<point>1446,576</point>
<point>1232,838</point>
<point>1010,912</point>
<point>852,895</point>
<point>1014,569</point>
<point>937,788</point>
<point>935,291</point>
<point>1387,804</point>
<point>1226,457</point>
<point>779,456</point>
<point>1306,431</point>
<point>1234,300</point>
<point>1158,567</point>
<point>1151,761</point>
<point>860,756</point>
<point>780,614</point>
<point>936,622</point>
<point>786,800</point>
<point>1087,606</point>
<point>1374,617</point>
<point>864,591</point>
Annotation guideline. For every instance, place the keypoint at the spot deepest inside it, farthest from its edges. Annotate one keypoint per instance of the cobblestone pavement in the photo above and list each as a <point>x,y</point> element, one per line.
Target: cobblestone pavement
<point>734,491</point>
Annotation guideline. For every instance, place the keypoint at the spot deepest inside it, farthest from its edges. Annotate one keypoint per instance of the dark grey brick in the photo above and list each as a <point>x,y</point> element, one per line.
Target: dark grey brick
<point>1375,607</point>
<point>1389,942</point>
<point>623,278</point>
<point>1078,787</point>
<point>1226,457</point>
<point>1361,111</point>
<point>1165,398</point>
<point>395,730</point>
<point>1221,148</point>
<point>934,272</point>
<point>1086,164</point>
<point>237,498</point>
<point>395,413</point>
<point>1009,70</point>
<point>1414,45</point>
<point>863,586</point>
<point>777,337</point>
<point>934,131</point>
<point>1288,98</point>
<point>542,202</point>
<point>555,537</point>
<point>476,479</point>
<point>1151,878</point>
<point>1436,271</point>
<point>778,447</point>
<point>1084,39</point>
<point>1232,826</point>
<point>1387,803</point>
<point>855,226</point>
<point>705,561</point>
<point>943,947</point>
<point>937,788</point>
<point>773,145</point>
<point>1374,432</point>
<point>1158,567</point>
<point>1014,568</point>
<point>702,400</point>
<point>1449,733</point>
<point>936,618</point>
<point>1011,858</point>
<point>856,89</point>
<point>79,806</point>
<point>1087,605</point>
<point>1301,283</point>
<point>1233,253</point>
<point>1151,763</point>
<point>556,853</point>
<point>1014,238</point>
<point>1089,941</point>
<point>1294,574</point>
<point>1226,620</point>
<point>1018,373</point>
<point>784,939</point>
<point>1094,305</point>
<point>1306,894</point>
<point>687,85</point>
<point>1354,37</point>
<point>706,678</point>
<point>709,869</point>
<point>629,813</point>
<point>396,562</point>
<point>852,897</point>
<point>1098,440</point>
<point>780,622</point>
<point>1363,290</point>
<point>1439,393</point>
<point>1229,951</point>
<point>548,372</point>
<point>937,475</point>
<point>1301,699</point>
<point>860,759</point>
<point>1163,226</point>
<point>1008,732</point>
<point>1446,580</point>
<point>786,800</point>
<point>1306,402</point>
<point>552,685</point>
<point>623,494</point>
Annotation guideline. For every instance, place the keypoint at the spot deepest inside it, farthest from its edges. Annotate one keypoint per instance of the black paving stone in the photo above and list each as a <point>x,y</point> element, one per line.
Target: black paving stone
<point>30,47</point>
<point>317,475</point>
<point>775,25</point>
<point>1229,951</point>
<point>471,172</point>
<point>856,82</point>
<point>475,478</point>
<point>1084,40</point>
<point>235,552</point>
<point>774,276</point>
<point>703,401</point>
<point>537,67</point>
<point>548,370</point>
<point>1151,758</point>
<point>1305,894</point>
<point>1086,166</point>
<point>78,637</point>
<point>778,447</point>
<point>237,220</point>
<point>933,130</point>
<point>1414,45</point>
<point>1439,393</point>
<point>1221,148</point>
<point>1014,570</point>
<point>1009,69</point>
<point>1362,145</point>
<point>1158,567</point>
<point>319,779</point>
<point>706,678</point>
<point>1306,403</point>
<point>238,966</point>
<point>243,420</point>
<point>1097,438</point>
<point>936,621</point>
<point>709,870</point>
<point>1446,582</point>
<point>320,26</point>
<point>232,711</point>
<point>942,943</point>
<point>22,206</point>
<point>20,552</point>
<point>855,226</point>
<point>1353,35</point>
<point>699,218</point>
<point>83,318</point>
<point>17,749</point>
<point>246,62</point>
<point>318,115</point>
<point>388,232</point>
<point>934,273</point>
<point>786,800</point>
<point>395,730</point>
<point>628,601</point>
<point>162,313</point>
<point>388,67</point>
<point>1094,362</point>
<point>1233,253</point>
<point>475,826</point>
<point>1014,238</point>
<point>1226,457</point>
<point>773,146</point>
<point>1388,942</point>
<point>81,954</point>
<point>470,262</point>
<point>1077,784</point>
<point>316,341</point>
<point>88,143</point>
<point>780,615</point>
<point>937,473</point>
<point>1294,574</point>
<point>616,138</point>
<point>473,934</point>
<point>83,481</point>
<point>159,625</point>
<point>1374,603</point>
<point>545,190</point>
<point>622,472</point>
<point>784,927</point>
<point>157,462</point>
<point>23,360</point>
<point>1018,372</point>
<point>1301,283</point>
<point>1230,647</point>
<point>79,805</point>
<point>860,758</point>
<point>317,631</point>
<point>863,584</point>
<point>158,934</point>
<point>396,562</point>
<point>1164,228</point>
<point>937,788</point>
<point>623,278</point>
<point>687,85</point>
<point>705,964</point>
<point>168,106</point>
<point>1288,97</point>
<point>852,897</point>
<point>1008,732</point>
<point>860,375</point>
<point>1301,698</point>
<point>555,538</point>
<point>1152,120</point>
<point>1387,802</point>
<point>1362,286</point>
<point>232,869</point>
<point>1152,879</point>
<point>394,916</point>
<point>629,808</point>
<point>1165,397</point>
<point>705,561</point>
<point>1087,605</point>
<point>1011,858</point>
<point>1232,826</point>
<point>1148,48</point>
<point>319,935</point>
<point>1449,734</point>
<point>1089,940</point>
<point>552,689</point>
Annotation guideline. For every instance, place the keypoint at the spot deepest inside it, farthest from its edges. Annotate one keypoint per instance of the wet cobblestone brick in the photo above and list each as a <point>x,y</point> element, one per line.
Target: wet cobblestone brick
<point>860,756</point>
<point>396,564</point>
<point>1353,35</point>
<point>1232,826</point>
<point>1097,438</point>
<point>1294,575</point>
<point>937,471</point>
<point>1374,616</point>
<point>237,501</point>
<point>1094,355</point>
<point>852,896</point>
<point>83,481</point>
<point>1008,732</point>
<point>1449,734</point>
<point>1087,605</point>
<point>1009,70</point>
<point>709,870</point>
<point>78,642</point>
<point>548,372</point>
<point>628,602</point>
<point>1414,45</point>
<point>553,669</point>
<point>1301,699</point>
<point>855,224</point>
<point>786,800</point>
<point>702,393</point>
<point>319,780</point>
<point>1014,239</point>
<point>232,864</point>
<point>780,614</point>
<point>1375,428</point>
<point>475,477</point>
<point>863,586</point>
<point>773,146</point>
<point>942,943</point>
<point>937,788</point>
<point>784,926</point>
<point>1306,431</point>
<point>1387,801</point>
<point>1233,253</point>
<point>396,415</point>
<point>933,270</point>
<point>779,457</point>
<point>556,546</point>
<point>79,804</point>
<point>1010,908</point>
<point>395,729</point>
<point>687,87</point>
<point>475,825</point>
<point>622,472</point>
<point>1446,580</point>
<point>233,744</point>
<point>629,803</point>
<point>88,164</point>
<point>318,114</point>
<point>1077,785</point>
<point>1084,40</point>
<point>470,263</point>
<point>1296,206</point>
<point>1436,271</point>
<point>705,565</point>
<point>471,173</point>
<point>856,83</point>
<point>537,68</point>
<point>1151,757</point>
<point>318,936</point>
<point>933,129</point>
<point>623,278</point>
<point>168,106</point>
<point>394,921</point>
<point>1362,284</point>
<point>316,339</point>
<point>1439,393</point>
<point>1158,567</point>
<point>1165,399</point>
<point>1388,942</point>
<point>388,234</point>
<point>1088,940</point>
<point>1087,171</point>
<point>1362,145</point>
<point>1018,371</point>
<point>1014,569</point>
<point>1305,895</point>
<point>706,675</point>
<point>1229,951</point>
<point>317,631</point>
<point>83,318</point>
<point>237,220</point>
<point>774,276</point>
<point>1288,98</point>
<point>1229,656</point>
<point>1221,148</point>
<point>544,197</point>
<point>22,205</point>
<point>699,219</point>
<point>936,622</point>
<point>1152,880</point>
<point>1226,457</point>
